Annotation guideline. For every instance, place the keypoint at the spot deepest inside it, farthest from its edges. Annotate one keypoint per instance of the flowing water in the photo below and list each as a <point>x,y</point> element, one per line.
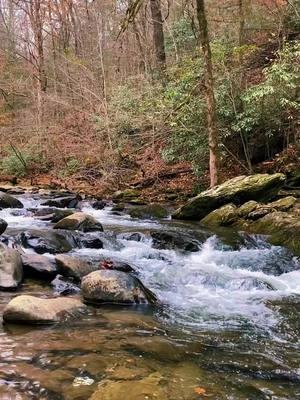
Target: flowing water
<point>228,326</point>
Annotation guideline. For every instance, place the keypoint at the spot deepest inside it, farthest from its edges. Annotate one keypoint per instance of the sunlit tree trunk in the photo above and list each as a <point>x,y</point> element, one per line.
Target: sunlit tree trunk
<point>209,94</point>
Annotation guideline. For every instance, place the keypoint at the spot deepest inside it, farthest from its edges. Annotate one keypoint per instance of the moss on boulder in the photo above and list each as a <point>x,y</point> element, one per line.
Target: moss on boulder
<point>259,187</point>
<point>223,216</point>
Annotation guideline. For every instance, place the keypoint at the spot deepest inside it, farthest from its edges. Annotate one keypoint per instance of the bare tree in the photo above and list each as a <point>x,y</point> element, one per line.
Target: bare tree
<point>158,34</point>
<point>209,94</point>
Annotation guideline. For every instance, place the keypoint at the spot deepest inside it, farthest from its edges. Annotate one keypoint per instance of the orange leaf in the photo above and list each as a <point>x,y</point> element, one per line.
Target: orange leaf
<point>199,390</point>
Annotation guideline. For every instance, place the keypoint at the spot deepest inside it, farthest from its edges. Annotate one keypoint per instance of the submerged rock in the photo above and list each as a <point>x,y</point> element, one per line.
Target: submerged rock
<point>174,240</point>
<point>8,201</point>
<point>3,226</point>
<point>148,211</point>
<point>115,287</point>
<point>79,221</point>
<point>48,241</point>
<point>260,187</point>
<point>64,287</point>
<point>39,267</point>
<point>151,387</point>
<point>11,269</point>
<point>62,202</point>
<point>33,310</point>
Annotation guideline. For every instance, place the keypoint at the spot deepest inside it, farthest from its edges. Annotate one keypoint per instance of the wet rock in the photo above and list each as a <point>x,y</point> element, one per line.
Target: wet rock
<point>64,287</point>
<point>33,310</point>
<point>74,267</point>
<point>3,226</point>
<point>223,216</point>
<point>250,284</point>
<point>174,240</point>
<point>48,241</point>
<point>11,269</point>
<point>260,187</point>
<point>62,202</point>
<point>118,207</point>
<point>8,201</point>
<point>148,211</point>
<point>77,268</point>
<point>151,387</point>
<point>99,205</point>
<point>92,241</point>
<point>114,287</point>
<point>135,236</point>
<point>79,221</point>
<point>39,267</point>
<point>116,265</point>
<point>50,214</point>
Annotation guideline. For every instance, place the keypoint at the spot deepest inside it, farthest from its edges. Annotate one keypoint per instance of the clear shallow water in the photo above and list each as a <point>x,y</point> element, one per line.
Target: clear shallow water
<point>229,323</point>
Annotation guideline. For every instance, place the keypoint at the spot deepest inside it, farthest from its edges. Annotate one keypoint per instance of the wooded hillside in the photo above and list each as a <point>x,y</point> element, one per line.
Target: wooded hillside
<point>102,94</point>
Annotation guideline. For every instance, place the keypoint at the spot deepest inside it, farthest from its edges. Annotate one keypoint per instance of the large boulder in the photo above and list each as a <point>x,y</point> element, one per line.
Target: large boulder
<point>8,201</point>
<point>48,241</point>
<point>62,202</point>
<point>38,267</point>
<point>33,310</point>
<point>79,221</point>
<point>114,287</point>
<point>11,270</point>
<point>3,226</point>
<point>259,187</point>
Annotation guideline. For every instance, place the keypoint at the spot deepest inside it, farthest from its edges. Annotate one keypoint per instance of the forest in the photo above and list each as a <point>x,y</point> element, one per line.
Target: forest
<point>102,95</point>
<point>149,199</point>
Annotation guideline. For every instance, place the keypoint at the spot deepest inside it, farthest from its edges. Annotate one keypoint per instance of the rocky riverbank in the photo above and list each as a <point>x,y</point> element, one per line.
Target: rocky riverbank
<point>255,204</point>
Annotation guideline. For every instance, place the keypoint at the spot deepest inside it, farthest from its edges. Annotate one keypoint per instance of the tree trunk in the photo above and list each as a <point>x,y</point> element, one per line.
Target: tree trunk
<point>241,22</point>
<point>209,94</point>
<point>158,35</point>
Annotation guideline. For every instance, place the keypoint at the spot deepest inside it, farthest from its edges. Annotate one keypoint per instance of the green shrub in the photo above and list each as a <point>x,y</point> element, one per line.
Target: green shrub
<point>22,164</point>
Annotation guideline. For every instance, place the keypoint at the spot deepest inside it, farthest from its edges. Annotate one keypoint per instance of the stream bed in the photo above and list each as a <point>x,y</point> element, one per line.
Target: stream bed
<point>227,327</point>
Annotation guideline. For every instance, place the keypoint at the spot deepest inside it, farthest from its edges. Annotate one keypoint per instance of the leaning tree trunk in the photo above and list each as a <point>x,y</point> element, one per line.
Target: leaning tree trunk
<point>209,94</point>
<point>158,35</point>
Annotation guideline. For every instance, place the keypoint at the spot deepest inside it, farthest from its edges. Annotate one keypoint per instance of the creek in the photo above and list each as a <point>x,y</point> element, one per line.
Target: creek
<point>227,327</point>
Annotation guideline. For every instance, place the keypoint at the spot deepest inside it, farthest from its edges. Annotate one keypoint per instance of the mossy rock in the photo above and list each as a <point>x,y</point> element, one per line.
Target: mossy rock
<point>149,211</point>
<point>259,187</point>
<point>283,204</point>
<point>223,216</point>
<point>126,195</point>
<point>247,208</point>
<point>283,229</point>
